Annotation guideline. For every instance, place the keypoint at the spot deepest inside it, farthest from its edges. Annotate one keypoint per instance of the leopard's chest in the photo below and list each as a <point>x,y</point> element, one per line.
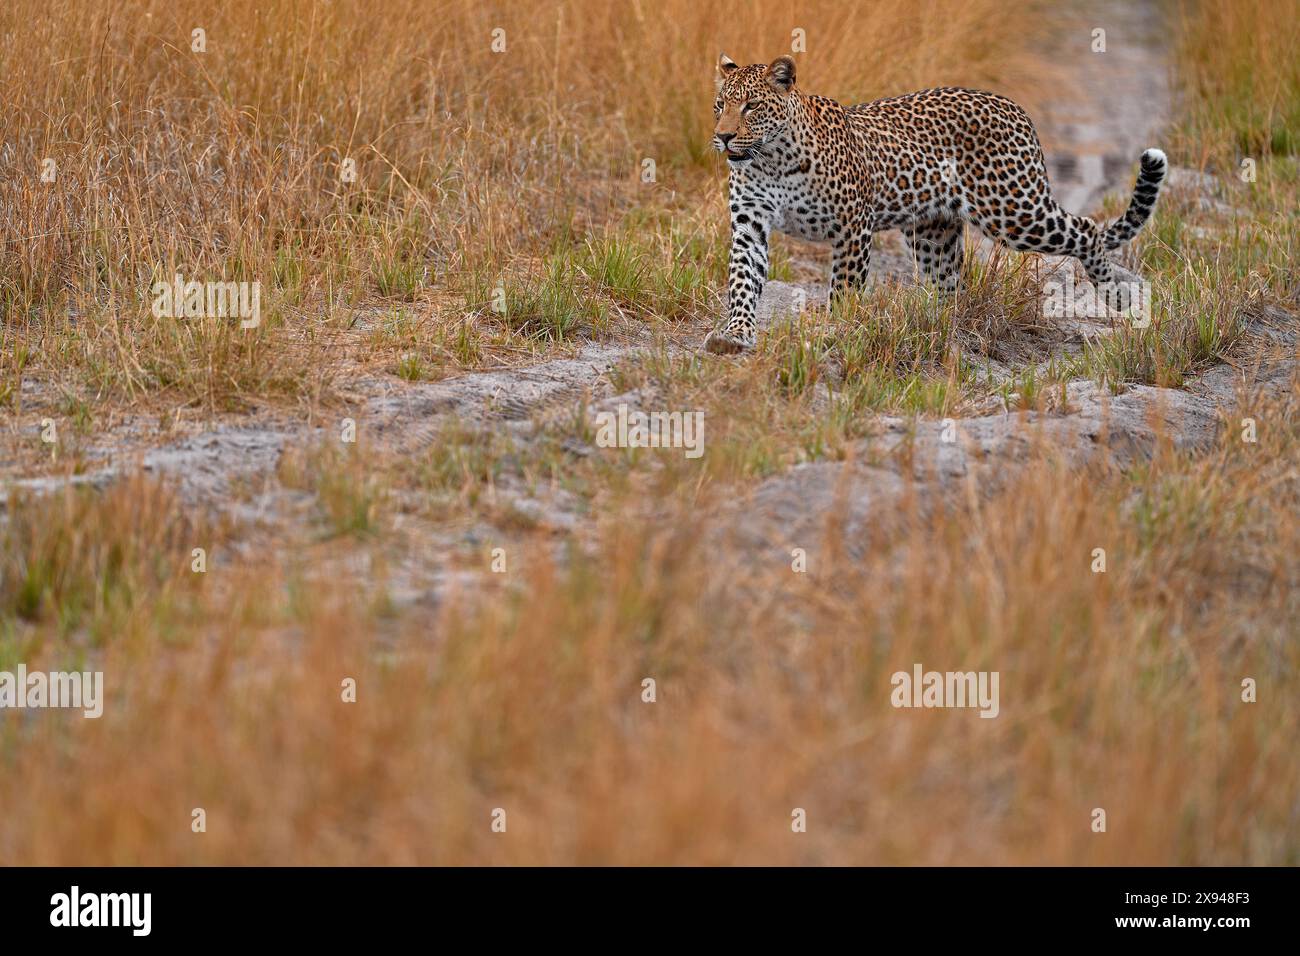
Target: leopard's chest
<point>794,204</point>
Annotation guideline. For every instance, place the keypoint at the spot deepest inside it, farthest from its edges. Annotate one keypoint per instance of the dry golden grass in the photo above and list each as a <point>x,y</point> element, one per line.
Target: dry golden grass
<point>1240,63</point>
<point>1119,690</point>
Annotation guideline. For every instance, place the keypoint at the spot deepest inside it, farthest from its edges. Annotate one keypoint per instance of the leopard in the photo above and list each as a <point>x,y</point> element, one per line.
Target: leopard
<point>926,163</point>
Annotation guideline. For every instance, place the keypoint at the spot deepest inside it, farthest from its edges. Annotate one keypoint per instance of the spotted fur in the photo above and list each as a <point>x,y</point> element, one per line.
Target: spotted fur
<point>925,163</point>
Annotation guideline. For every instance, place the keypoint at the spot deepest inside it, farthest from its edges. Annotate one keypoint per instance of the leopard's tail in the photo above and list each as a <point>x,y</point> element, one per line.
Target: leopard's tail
<point>1152,174</point>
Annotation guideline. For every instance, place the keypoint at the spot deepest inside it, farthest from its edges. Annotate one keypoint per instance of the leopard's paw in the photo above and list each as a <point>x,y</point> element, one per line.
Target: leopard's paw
<point>723,342</point>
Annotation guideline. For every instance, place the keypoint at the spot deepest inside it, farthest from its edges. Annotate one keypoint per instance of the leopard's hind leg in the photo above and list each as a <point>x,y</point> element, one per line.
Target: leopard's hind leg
<point>937,250</point>
<point>1036,223</point>
<point>1050,230</point>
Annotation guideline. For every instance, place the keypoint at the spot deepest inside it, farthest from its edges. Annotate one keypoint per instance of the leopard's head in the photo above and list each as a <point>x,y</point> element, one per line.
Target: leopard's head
<point>752,107</point>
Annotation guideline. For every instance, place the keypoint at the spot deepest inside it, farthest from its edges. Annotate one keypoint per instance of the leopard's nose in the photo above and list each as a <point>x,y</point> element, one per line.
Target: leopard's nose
<point>725,138</point>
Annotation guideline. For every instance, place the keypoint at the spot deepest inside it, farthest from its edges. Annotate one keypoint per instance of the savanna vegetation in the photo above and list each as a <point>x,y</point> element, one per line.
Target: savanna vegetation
<point>388,179</point>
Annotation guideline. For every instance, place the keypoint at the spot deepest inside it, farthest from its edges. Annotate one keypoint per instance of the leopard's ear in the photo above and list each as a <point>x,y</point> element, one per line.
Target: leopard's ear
<point>780,74</point>
<point>725,67</point>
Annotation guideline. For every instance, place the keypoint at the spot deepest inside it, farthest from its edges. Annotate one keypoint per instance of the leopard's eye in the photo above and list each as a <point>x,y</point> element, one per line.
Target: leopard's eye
<point>717,107</point>
<point>748,108</point>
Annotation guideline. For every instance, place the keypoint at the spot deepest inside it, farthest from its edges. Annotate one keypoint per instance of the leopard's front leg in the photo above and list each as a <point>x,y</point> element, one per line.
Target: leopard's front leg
<point>850,260</point>
<point>746,275</point>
